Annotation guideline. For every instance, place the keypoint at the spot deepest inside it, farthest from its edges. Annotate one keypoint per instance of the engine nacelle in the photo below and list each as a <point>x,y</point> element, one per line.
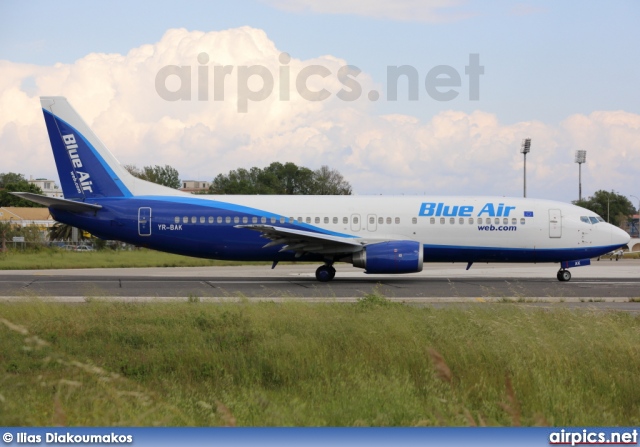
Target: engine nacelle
<point>390,257</point>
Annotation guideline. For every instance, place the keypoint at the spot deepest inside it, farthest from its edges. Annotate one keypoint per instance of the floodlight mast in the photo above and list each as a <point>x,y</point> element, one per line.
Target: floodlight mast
<point>581,157</point>
<point>525,148</point>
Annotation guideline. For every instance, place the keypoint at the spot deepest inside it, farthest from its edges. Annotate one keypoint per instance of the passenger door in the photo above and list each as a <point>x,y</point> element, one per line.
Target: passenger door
<point>555,223</point>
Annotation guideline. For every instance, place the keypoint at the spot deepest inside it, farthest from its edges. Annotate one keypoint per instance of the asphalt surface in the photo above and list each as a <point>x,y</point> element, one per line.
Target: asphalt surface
<point>605,284</point>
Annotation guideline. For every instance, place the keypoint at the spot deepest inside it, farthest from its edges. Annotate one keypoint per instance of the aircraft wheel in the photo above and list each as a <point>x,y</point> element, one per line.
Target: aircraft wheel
<point>564,275</point>
<point>325,273</point>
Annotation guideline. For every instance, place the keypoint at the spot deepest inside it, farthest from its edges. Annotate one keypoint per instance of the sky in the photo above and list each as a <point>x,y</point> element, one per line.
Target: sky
<point>316,83</point>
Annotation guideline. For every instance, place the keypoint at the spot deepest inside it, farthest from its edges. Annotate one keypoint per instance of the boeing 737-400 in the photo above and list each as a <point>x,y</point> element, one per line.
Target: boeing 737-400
<point>378,234</point>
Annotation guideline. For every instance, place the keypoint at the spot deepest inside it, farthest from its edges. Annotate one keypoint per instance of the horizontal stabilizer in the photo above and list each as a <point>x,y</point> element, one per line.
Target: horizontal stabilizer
<point>56,203</point>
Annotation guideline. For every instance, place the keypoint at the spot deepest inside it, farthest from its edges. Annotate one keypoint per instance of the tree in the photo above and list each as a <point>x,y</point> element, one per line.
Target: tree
<point>8,230</point>
<point>63,232</point>
<point>10,177</point>
<point>278,178</point>
<point>134,170</point>
<point>12,182</point>
<point>5,231</point>
<point>329,181</point>
<point>611,206</point>
<point>237,182</point>
<point>162,175</point>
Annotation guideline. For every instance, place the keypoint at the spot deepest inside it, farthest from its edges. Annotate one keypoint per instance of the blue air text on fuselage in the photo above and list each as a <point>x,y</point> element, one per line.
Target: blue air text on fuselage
<point>439,209</point>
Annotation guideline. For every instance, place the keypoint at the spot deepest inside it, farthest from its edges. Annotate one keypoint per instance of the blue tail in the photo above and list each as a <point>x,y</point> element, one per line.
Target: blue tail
<point>86,168</point>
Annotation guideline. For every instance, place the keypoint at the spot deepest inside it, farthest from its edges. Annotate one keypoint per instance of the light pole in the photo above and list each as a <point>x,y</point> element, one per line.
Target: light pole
<point>581,157</point>
<point>525,148</point>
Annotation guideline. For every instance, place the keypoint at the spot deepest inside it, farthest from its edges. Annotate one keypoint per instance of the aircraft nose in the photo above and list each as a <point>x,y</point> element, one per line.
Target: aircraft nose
<point>619,237</point>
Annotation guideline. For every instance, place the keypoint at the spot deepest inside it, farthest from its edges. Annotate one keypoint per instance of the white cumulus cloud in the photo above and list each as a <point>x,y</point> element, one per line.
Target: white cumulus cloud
<point>453,153</point>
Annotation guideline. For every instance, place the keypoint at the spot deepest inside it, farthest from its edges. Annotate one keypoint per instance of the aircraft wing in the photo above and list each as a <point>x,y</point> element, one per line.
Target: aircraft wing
<point>57,203</point>
<point>305,241</point>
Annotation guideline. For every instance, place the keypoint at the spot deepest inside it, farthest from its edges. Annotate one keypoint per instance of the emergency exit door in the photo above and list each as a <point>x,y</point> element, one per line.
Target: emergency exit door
<point>144,221</point>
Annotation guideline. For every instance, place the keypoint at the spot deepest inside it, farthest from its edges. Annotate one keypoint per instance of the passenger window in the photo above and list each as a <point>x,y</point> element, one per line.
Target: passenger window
<point>372,220</point>
<point>388,221</point>
<point>522,221</point>
<point>326,220</point>
<point>497,220</point>
<point>345,220</point>
<point>219,219</point>
<point>432,220</point>
<point>514,221</point>
<point>335,220</point>
<point>355,219</point>
<point>461,222</point>
<point>414,220</point>
<point>479,220</point>
<point>236,219</point>
<point>177,219</point>
<point>452,220</point>
<point>254,220</point>
<point>442,221</point>
<point>273,220</point>
<point>505,221</point>
<point>282,220</point>
<point>317,220</point>
<point>308,220</point>
<point>227,219</point>
<point>263,220</point>
<point>380,220</point>
<point>471,221</point>
<point>397,220</point>
<point>202,219</point>
<point>193,219</point>
<point>210,219</point>
<point>245,220</point>
<point>185,219</point>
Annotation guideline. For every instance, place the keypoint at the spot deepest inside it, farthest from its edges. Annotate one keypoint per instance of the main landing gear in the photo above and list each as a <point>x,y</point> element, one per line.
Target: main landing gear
<point>325,273</point>
<point>563,275</point>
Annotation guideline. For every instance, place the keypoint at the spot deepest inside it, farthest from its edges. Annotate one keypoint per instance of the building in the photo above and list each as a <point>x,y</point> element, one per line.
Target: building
<point>195,186</point>
<point>24,217</point>
<point>48,187</point>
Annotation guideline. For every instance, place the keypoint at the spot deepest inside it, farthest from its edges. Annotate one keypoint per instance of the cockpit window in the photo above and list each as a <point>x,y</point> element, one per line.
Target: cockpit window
<point>585,219</point>
<point>594,220</point>
<point>600,219</point>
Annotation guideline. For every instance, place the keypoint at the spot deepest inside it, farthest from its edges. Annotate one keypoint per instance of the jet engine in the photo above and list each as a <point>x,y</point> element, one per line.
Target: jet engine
<point>390,257</point>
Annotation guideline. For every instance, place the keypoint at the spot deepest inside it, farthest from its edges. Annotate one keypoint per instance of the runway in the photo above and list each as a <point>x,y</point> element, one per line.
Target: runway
<point>606,284</point>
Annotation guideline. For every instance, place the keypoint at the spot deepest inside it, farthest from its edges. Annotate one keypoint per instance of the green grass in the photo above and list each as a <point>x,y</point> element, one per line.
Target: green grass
<point>265,364</point>
<point>53,258</point>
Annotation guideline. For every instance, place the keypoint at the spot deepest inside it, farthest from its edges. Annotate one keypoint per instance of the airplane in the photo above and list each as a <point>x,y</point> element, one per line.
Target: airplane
<point>382,235</point>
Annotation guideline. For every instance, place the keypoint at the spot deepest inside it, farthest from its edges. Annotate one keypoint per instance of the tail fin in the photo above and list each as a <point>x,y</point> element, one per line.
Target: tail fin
<point>86,168</point>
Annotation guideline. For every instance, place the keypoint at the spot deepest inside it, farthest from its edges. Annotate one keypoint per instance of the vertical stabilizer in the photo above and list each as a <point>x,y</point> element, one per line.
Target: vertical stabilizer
<point>86,168</point>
